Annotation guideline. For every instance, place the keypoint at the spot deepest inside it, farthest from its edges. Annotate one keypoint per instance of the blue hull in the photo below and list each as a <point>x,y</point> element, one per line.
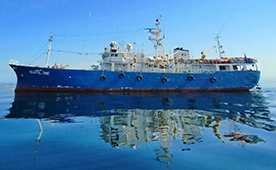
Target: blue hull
<point>47,79</point>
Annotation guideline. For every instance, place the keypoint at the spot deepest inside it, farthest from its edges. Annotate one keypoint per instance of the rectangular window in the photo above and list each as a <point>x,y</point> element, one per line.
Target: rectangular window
<point>222,68</point>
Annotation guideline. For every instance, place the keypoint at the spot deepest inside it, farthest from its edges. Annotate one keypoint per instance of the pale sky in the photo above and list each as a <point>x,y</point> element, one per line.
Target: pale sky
<point>89,26</point>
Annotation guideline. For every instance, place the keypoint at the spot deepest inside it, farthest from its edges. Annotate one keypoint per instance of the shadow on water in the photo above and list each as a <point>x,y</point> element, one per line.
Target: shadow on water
<point>127,119</point>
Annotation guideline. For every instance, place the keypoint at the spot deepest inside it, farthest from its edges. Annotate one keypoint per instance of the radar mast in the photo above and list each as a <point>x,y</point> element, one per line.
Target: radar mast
<point>157,40</point>
<point>220,50</point>
<point>49,49</point>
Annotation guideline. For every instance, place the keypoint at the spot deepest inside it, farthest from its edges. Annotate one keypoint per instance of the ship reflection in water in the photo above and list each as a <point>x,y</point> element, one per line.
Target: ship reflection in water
<point>130,119</point>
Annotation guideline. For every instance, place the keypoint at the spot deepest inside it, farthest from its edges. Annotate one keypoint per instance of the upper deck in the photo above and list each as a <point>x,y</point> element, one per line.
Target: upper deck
<point>179,62</point>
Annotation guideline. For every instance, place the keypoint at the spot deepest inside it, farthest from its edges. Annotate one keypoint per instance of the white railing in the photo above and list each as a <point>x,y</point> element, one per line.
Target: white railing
<point>13,62</point>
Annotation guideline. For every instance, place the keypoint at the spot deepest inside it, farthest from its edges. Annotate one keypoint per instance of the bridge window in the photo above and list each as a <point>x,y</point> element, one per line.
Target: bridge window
<point>116,55</point>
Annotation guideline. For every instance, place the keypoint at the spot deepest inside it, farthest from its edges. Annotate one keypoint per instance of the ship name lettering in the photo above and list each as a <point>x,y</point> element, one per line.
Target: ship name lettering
<point>39,72</point>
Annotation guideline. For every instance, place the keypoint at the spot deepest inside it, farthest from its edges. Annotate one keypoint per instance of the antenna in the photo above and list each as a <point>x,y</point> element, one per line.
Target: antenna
<point>223,26</point>
<point>220,50</point>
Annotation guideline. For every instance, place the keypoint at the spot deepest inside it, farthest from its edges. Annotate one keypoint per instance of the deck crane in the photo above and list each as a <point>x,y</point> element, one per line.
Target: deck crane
<point>203,53</point>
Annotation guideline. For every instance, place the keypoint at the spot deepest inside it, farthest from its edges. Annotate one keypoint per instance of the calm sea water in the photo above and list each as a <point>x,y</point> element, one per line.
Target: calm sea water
<point>138,131</point>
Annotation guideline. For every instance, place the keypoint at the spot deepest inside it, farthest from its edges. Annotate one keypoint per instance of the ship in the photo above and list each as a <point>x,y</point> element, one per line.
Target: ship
<point>123,70</point>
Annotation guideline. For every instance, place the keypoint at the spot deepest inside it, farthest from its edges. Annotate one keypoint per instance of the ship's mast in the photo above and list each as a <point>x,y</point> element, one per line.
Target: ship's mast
<point>49,49</point>
<point>220,50</point>
<point>157,40</point>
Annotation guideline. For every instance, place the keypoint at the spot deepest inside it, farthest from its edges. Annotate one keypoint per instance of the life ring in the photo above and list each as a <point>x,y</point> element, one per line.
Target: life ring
<point>139,78</point>
<point>121,75</point>
<point>102,78</point>
<point>191,77</point>
<point>164,79</point>
<point>213,79</point>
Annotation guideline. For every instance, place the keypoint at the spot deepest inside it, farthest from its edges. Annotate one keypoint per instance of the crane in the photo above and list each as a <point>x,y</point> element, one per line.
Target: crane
<point>203,53</point>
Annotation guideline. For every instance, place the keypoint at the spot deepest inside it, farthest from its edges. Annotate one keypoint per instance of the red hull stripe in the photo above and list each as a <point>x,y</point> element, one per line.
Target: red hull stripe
<point>56,89</point>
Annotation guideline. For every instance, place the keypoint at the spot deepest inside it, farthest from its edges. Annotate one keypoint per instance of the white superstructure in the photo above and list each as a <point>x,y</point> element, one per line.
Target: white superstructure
<point>180,61</point>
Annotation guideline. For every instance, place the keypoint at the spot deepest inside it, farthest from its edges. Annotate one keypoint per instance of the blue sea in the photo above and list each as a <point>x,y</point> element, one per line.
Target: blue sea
<point>195,131</point>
